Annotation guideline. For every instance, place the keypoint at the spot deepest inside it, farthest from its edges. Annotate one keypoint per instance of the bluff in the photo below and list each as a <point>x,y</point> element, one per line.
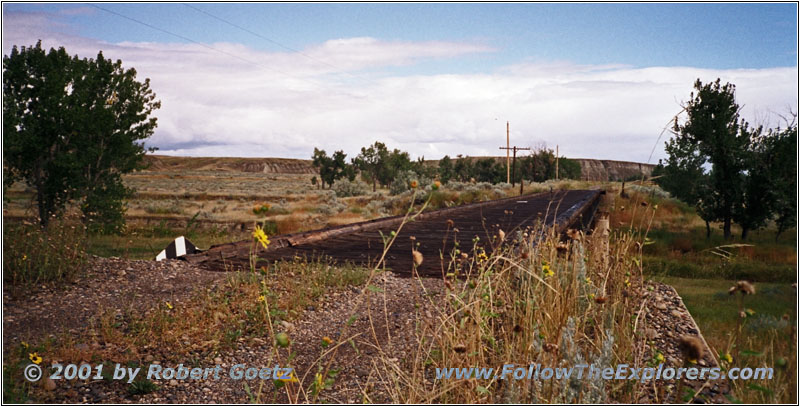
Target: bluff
<point>611,170</point>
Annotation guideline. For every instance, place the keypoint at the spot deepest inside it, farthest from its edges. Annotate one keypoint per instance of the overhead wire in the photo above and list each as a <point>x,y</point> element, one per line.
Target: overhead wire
<point>205,45</point>
<point>286,47</point>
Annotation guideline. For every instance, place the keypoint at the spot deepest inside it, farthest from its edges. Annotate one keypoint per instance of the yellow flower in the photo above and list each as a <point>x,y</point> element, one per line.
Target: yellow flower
<point>728,358</point>
<point>319,380</point>
<point>35,358</point>
<point>289,379</point>
<point>588,280</point>
<point>25,345</point>
<point>692,361</point>
<point>327,341</point>
<point>659,357</point>
<point>261,298</point>
<point>547,271</point>
<point>591,296</point>
<point>627,283</point>
<point>168,304</point>
<point>24,257</point>
<point>260,236</point>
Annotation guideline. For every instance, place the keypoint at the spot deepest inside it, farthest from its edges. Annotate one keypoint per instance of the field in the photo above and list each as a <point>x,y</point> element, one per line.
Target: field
<point>212,204</point>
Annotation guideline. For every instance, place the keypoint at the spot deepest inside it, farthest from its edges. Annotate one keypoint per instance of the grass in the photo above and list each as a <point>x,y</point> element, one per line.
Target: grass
<point>702,270</point>
<point>759,340</point>
<point>34,255</point>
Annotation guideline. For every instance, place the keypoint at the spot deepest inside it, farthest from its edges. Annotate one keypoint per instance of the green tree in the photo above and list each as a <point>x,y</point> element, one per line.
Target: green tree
<point>324,165</point>
<point>783,175</point>
<point>71,128</point>
<point>714,132</point>
<point>369,162</point>
<point>757,188</point>
<point>445,169</point>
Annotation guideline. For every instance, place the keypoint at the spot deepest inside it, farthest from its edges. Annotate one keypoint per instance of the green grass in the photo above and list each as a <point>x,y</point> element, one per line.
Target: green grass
<point>717,313</point>
<point>144,243</point>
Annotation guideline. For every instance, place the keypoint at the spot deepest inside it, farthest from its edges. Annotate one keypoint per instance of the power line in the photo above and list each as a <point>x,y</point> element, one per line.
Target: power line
<point>286,47</point>
<point>202,44</point>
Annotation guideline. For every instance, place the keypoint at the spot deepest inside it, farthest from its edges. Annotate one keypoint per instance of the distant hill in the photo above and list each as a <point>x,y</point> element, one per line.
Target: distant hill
<point>611,170</point>
<point>266,165</point>
<point>591,169</point>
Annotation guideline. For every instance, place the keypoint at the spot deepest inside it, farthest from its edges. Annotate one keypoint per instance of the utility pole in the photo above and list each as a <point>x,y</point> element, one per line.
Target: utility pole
<point>514,164</point>
<point>508,145</point>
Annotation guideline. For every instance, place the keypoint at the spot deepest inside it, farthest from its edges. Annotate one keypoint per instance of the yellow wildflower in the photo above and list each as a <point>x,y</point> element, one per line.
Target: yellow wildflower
<point>319,380</point>
<point>627,283</point>
<point>24,257</point>
<point>659,358</point>
<point>35,358</point>
<point>727,357</point>
<point>168,304</point>
<point>25,345</point>
<point>290,378</point>
<point>327,341</point>
<point>261,298</point>
<point>692,361</point>
<point>260,236</point>
<point>547,271</point>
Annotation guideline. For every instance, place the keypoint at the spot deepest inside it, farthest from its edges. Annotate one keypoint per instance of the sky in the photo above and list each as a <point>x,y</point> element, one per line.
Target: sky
<point>279,79</point>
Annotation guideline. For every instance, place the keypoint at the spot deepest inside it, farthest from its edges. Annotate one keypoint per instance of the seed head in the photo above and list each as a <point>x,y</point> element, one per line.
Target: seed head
<point>691,347</point>
<point>417,257</point>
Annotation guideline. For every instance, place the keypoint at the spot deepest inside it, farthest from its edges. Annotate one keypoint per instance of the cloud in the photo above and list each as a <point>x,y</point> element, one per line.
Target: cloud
<point>224,99</point>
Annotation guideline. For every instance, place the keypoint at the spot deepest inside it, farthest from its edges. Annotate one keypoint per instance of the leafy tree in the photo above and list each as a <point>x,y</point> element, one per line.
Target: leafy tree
<point>331,168</point>
<point>568,169</point>
<point>446,170</point>
<point>783,175</point>
<point>369,162</point>
<point>463,170</point>
<point>71,128</point>
<point>324,165</point>
<point>757,192</point>
<point>489,170</point>
<point>714,132</point>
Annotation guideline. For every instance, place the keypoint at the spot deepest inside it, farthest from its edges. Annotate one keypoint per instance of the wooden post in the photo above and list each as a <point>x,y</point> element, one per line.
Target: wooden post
<point>514,168</point>
<point>508,145</point>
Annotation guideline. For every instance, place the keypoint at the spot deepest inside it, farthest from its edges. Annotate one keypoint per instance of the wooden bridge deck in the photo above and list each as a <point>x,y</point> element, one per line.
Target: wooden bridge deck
<point>362,242</point>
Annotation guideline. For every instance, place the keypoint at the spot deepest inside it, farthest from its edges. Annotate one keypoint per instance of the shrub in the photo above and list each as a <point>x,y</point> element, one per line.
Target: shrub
<point>404,180</point>
<point>34,255</point>
<point>344,188</point>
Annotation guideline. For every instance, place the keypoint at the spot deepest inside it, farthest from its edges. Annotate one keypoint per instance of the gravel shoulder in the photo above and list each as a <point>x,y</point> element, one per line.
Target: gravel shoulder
<point>381,330</point>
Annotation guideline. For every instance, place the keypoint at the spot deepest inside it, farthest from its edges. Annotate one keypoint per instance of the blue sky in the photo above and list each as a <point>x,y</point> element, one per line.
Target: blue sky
<point>569,55</point>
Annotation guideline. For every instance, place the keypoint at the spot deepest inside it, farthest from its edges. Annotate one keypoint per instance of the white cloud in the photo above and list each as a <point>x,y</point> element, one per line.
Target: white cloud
<point>285,104</point>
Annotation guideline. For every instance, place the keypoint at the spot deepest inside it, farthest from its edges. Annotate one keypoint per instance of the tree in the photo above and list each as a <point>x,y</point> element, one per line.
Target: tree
<point>72,127</point>
<point>445,170</point>
<point>331,168</point>
<point>369,162</point>
<point>757,188</point>
<point>783,174</point>
<point>713,131</point>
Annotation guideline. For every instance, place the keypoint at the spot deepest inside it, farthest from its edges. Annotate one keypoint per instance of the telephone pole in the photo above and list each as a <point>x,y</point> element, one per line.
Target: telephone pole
<point>508,145</point>
<point>514,164</point>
